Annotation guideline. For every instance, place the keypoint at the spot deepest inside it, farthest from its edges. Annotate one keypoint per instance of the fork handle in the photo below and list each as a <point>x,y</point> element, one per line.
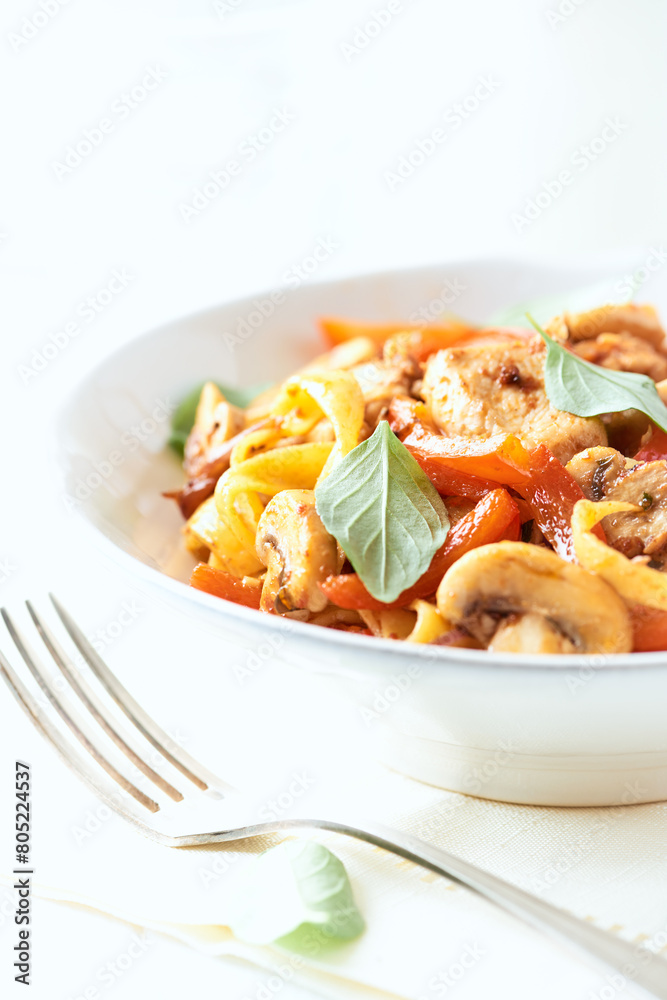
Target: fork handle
<point>632,963</point>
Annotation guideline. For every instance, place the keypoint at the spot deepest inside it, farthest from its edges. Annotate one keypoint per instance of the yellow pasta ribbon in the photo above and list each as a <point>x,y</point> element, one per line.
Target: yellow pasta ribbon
<point>637,584</point>
<point>203,524</point>
<point>259,440</point>
<point>336,395</point>
<point>390,623</point>
<point>239,508</point>
<point>429,625</point>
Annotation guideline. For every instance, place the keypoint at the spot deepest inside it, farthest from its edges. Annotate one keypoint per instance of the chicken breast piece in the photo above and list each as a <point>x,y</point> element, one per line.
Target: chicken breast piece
<point>640,321</point>
<point>478,391</point>
<point>380,381</point>
<point>624,352</point>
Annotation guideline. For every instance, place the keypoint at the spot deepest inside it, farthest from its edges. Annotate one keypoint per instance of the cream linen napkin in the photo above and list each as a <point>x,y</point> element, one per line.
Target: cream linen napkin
<point>424,936</point>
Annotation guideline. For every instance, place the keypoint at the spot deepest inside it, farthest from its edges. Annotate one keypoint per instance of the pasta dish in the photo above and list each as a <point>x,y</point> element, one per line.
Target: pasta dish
<point>489,488</point>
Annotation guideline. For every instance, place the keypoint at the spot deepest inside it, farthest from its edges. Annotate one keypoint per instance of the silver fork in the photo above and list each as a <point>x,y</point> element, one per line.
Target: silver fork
<point>193,796</point>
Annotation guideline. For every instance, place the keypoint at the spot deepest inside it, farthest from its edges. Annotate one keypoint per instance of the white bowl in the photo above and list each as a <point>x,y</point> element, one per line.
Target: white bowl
<point>532,729</point>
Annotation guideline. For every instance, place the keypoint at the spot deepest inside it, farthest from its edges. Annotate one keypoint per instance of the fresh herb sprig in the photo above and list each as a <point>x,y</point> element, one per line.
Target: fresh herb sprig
<point>587,390</point>
<point>295,893</point>
<point>385,513</point>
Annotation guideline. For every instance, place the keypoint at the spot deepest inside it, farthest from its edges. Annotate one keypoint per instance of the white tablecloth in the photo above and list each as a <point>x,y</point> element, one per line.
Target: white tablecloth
<point>115,116</point>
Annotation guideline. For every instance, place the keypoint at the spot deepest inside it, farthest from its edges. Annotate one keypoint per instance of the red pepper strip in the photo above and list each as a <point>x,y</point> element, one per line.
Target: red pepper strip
<point>487,523</point>
<point>452,483</point>
<point>525,509</point>
<point>500,458</point>
<point>408,419</point>
<point>649,626</point>
<point>337,330</point>
<point>222,584</point>
<point>513,531</point>
<point>425,342</point>
<point>655,448</point>
<point>535,475</point>
<point>552,493</point>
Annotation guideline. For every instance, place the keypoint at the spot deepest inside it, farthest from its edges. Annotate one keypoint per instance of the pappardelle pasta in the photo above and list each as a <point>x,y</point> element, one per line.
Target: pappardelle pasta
<point>488,488</point>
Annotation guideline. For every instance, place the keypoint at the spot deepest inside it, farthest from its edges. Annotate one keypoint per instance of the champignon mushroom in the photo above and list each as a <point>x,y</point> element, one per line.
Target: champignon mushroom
<point>529,632</point>
<point>604,474</point>
<point>298,553</point>
<point>216,421</point>
<point>517,578</point>
<point>596,469</point>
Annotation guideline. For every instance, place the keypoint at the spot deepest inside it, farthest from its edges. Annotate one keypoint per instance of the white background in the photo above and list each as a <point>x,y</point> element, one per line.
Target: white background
<point>555,81</point>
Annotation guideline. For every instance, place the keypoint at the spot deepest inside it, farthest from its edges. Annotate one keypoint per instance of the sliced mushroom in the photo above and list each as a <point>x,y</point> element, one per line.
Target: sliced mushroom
<point>644,532</point>
<point>493,581</point>
<point>604,474</point>
<point>298,553</point>
<point>216,421</point>
<point>595,469</point>
<point>529,632</point>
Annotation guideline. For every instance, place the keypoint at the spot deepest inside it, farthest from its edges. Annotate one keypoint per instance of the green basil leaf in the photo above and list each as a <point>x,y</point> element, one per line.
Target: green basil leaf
<point>297,888</point>
<point>587,390</point>
<point>385,512</point>
<point>183,418</point>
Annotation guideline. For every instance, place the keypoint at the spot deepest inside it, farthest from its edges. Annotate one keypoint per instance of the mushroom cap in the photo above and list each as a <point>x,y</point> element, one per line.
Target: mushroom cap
<point>297,550</point>
<point>516,577</point>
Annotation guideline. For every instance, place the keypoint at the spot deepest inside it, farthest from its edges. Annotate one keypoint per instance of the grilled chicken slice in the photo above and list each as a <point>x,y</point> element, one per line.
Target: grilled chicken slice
<point>624,352</point>
<point>640,321</point>
<point>380,381</point>
<point>477,391</point>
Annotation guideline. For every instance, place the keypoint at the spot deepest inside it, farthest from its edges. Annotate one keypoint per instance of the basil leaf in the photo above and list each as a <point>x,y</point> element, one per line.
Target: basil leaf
<point>385,512</point>
<point>587,390</point>
<point>291,891</point>
<point>183,419</point>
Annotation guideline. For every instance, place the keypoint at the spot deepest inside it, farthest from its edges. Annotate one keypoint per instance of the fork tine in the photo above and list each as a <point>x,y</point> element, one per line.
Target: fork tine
<point>74,760</point>
<point>187,765</point>
<point>96,708</point>
<point>71,720</point>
